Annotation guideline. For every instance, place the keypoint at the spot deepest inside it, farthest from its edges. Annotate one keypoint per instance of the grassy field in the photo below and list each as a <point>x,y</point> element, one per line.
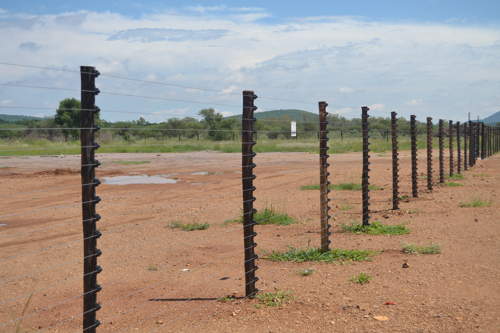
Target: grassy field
<point>46,147</point>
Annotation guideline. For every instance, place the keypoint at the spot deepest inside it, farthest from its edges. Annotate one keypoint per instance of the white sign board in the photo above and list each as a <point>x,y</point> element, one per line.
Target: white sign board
<point>293,128</point>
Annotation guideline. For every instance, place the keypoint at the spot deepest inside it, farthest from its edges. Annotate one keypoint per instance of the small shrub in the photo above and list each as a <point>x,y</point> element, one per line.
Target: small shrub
<point>475,204</point>
<point>267,216</point>
<point>404,198</point>
<point>274,299</point>
<point>306,272</point>
<point>226,299</point>
<point>361,278</point>
<point>376,228</point>
<point>152,268</point>
<point>341,187</point>
<point>311,254</point>
<point>453,184</point>
<point>190,226</point>
<point>414,249</point>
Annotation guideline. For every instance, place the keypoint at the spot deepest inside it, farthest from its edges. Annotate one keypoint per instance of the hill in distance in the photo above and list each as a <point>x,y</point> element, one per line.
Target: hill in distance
<point>13,118</point>
<point>493,119</point>
<point>289,114</point>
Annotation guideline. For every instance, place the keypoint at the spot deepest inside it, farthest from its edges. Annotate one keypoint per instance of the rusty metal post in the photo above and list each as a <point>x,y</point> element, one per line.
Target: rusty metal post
<point>450,148</point>
<point>88,130</point>
<point>365,178</point>
<point>459,153</point>
<point>429,153</point>
<point>466,148</point>
<point>323,177</point>
<point>247,153</point>
<point>414,171</point>
<point>441,151</point>
<point>395,161</point>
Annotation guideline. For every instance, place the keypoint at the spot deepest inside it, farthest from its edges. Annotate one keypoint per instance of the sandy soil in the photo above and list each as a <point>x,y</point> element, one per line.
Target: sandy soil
<point>159,279</point>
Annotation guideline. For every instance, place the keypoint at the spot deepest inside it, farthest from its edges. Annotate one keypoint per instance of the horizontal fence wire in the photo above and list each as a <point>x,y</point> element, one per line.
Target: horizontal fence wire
<point>153,82</point>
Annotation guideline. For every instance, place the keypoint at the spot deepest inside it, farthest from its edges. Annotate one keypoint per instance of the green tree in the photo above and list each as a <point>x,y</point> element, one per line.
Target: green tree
<point>219,128</point>
<point>68,116</point>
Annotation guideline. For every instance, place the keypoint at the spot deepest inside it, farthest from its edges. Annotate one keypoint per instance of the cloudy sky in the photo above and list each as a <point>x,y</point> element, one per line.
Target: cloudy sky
<point>429,57</point>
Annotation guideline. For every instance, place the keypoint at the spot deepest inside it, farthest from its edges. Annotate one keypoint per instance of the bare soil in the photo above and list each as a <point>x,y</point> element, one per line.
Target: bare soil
<point>159,279</point>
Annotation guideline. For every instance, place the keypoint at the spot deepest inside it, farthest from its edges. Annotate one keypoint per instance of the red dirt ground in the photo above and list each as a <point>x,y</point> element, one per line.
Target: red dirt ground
<point>159,279</point>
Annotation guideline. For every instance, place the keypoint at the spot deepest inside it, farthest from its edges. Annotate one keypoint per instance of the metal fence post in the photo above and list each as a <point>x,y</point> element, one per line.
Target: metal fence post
<point>429,153</point>
<point>247,143</point>
<point>414,173</point>
<point>323,177</point>
<point>441,151</point>
<point>89,198</point>
<point>395,161</point>
<point>459,153</point>
<point>472,145</point>
<point>466,148</point>
<point>483,142</point>
<point>450,148</point>
<point>365,178</point>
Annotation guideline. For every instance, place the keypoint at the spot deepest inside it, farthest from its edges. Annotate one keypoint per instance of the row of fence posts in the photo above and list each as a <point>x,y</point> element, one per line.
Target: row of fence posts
<point>479,140</point>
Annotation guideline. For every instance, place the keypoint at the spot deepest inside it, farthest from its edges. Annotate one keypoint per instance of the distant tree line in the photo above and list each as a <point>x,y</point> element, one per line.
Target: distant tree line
<point>211,125</point>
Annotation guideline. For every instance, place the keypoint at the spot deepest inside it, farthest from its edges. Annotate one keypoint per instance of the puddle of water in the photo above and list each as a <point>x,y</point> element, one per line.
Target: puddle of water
<point>200,173</point>
<point>3,224</point>
<point>140,179</point>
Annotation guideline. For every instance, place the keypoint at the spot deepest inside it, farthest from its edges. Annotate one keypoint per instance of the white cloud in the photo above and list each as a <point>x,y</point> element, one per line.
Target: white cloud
<point>452,69</point>
<point>415,101</point>
<point>377,107</point>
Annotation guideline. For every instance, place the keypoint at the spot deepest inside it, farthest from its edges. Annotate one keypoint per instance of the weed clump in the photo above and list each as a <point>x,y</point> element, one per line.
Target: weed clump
<point>341,187</point>
<point>274,299</point>
<point>475,204</point>
<point>312,254</point>
<point>189,226</point>
<point>361,278</point>
<point>414,249</point>
<point>376,228</point>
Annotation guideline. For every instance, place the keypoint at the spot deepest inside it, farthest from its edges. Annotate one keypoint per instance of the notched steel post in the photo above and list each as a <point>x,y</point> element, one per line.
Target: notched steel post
<point>429,153</point>
<point>88,130</point>
<point>414,166</point>
<point>395,161</point>
<point>324,177</point>
<point>365,178</point>
<point>247,143</point>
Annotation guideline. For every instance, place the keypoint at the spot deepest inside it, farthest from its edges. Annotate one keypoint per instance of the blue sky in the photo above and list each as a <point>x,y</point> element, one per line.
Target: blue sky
<point>437,58</point>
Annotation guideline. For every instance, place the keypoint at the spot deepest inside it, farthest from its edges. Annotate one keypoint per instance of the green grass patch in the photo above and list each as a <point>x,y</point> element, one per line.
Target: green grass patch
<point>306,272</point>
<point>131,162</point>
<point>273,299</point>
<point>404,198</point>
<point>267,216</point>
<point>456,176</point>
<point>476,203</point>
<point>452,184</point>
<point>345,207</point>
<point>226,299</point>
<point>189,226</point>
<point>341,187</point>
<point>152,268</point>
<point>134,144</point>
<point>361,278</point>
<point>376,228</point>
<point>414,249</point>
<point>311,254</point>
